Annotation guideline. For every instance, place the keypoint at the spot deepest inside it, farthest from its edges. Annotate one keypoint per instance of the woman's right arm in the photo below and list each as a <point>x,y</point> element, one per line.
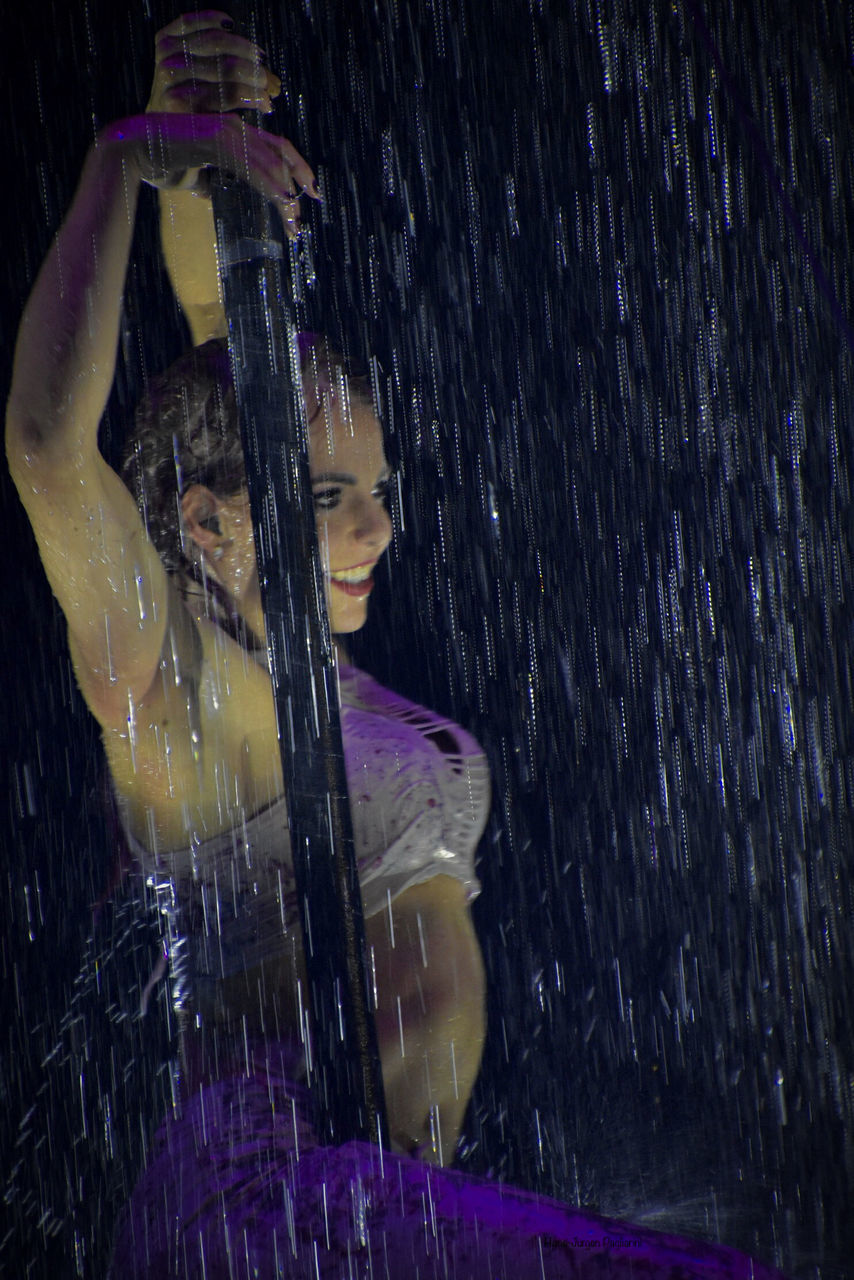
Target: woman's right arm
<point>101,566</point>
<point>104,572</point>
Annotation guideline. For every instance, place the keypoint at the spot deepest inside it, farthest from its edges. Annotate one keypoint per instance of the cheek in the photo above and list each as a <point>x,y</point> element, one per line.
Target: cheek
<point>323,543</point>
<point>328,536</point>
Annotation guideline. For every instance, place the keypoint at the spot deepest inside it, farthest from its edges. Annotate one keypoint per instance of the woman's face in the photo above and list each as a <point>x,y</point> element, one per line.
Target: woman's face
<point>349,478</point>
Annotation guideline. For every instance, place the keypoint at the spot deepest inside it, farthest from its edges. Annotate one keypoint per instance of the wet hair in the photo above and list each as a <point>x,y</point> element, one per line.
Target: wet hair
<point>186,432</point>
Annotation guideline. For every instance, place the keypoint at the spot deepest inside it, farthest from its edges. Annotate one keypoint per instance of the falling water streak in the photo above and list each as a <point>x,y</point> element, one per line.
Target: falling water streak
<point>682,650</point>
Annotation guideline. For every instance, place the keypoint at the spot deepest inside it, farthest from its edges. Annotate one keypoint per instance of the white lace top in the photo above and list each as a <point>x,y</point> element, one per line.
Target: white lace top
<point>419,798</point>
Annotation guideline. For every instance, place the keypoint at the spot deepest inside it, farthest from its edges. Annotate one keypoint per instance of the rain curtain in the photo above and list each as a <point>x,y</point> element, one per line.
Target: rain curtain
<point>600,254</point>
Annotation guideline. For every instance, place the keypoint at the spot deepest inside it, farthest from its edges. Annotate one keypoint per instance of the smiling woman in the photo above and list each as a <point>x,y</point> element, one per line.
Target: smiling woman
<point>186,445</point>
<point>349,476</point>
<point>161,593</point>
<point>419,788</point>
<point>166,628</point>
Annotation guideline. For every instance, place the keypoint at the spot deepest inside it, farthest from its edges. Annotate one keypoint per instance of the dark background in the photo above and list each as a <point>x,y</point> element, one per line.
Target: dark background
<point>601,252</point>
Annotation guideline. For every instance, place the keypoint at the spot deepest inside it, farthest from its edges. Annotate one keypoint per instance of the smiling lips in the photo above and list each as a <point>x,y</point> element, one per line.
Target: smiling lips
<point>356,581</point>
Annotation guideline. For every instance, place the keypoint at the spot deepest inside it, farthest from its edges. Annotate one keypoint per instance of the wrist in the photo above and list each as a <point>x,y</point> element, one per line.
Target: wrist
<point>113,159</point>
<point>131,142</point>
<point>118,145</point>
<point>191,180</point>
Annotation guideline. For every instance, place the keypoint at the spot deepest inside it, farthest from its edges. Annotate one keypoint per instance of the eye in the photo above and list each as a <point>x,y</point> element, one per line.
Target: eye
<point>326,499</point>
<point>381,489</point>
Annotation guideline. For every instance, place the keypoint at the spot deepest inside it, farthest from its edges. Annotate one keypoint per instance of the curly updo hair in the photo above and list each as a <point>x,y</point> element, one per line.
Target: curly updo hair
<point>186,432</point>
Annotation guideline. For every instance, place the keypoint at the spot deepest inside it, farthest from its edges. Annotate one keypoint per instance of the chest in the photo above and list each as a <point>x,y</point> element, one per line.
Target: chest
<point>201,754</point>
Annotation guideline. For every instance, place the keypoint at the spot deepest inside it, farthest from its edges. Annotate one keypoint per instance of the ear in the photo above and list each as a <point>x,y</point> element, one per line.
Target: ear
<point>200,512</point>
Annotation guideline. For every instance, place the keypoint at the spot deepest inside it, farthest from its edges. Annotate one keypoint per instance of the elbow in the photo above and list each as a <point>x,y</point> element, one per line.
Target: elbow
<point>37,455</point>
<point>24,444</point>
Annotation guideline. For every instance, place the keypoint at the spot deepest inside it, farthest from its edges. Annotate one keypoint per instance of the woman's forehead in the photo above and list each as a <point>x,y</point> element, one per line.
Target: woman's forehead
<point>350,434</point>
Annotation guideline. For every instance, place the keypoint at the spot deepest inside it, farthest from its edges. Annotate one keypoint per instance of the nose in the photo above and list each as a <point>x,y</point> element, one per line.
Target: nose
<point>372,525</point>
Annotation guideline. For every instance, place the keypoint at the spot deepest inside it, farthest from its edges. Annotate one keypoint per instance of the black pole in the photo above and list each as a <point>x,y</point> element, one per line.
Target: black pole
<point>345,1071</point>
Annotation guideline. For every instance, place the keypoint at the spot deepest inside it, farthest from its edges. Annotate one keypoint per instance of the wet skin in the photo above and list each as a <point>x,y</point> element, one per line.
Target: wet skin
<point>131,626</point>
<point>425,958</point>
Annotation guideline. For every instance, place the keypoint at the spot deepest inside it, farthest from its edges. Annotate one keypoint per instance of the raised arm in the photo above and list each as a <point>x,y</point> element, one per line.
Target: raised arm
<point>202,65</point>
<point>102,568</point>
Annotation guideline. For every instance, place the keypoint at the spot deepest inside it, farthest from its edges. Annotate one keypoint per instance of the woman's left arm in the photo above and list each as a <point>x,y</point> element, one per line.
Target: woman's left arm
<point>202,65</point>
<point>430,1015</point>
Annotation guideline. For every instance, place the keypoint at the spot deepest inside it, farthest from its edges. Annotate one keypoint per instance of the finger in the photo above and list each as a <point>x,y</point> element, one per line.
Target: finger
<point>302,172</point>
<point>268,168</point>
<point>209,40</point>
<point>191,141</point>
<point>178,68</point>
<point>198,20</point>
<point>282,152</point>
<point>200,41</point>
<point>291,222</point>
<point>203,97</point>
<point>270,172</point>
<point>284,159</point>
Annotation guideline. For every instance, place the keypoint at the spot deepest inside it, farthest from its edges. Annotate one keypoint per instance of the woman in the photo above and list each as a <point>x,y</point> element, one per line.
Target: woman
<point>188,722</point>
<point>430,1017</point>
<point>166,633</point>
<point>185,707</point>
<point>418,804</point>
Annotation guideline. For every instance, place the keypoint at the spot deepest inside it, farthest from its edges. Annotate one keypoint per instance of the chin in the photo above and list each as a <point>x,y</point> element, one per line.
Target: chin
<point>343,625</point>
<point>339,628</point>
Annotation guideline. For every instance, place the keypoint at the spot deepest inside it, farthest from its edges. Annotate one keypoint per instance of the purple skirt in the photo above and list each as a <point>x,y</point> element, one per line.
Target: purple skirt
<point>237,1187</point>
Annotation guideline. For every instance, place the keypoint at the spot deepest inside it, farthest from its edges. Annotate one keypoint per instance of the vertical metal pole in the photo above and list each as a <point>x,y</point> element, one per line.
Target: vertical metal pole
<point>346,1077</point>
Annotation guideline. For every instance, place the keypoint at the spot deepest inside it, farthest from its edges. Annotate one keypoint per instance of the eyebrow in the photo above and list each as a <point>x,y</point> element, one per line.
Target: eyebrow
<point>342,477</point>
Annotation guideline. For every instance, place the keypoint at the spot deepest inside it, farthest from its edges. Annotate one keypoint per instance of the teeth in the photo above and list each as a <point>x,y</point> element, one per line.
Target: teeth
<point>352,575</point>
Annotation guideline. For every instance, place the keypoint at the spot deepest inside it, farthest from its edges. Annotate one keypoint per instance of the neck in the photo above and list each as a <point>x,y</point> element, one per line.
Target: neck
<point>249,607</point>
<point>251,610</point>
